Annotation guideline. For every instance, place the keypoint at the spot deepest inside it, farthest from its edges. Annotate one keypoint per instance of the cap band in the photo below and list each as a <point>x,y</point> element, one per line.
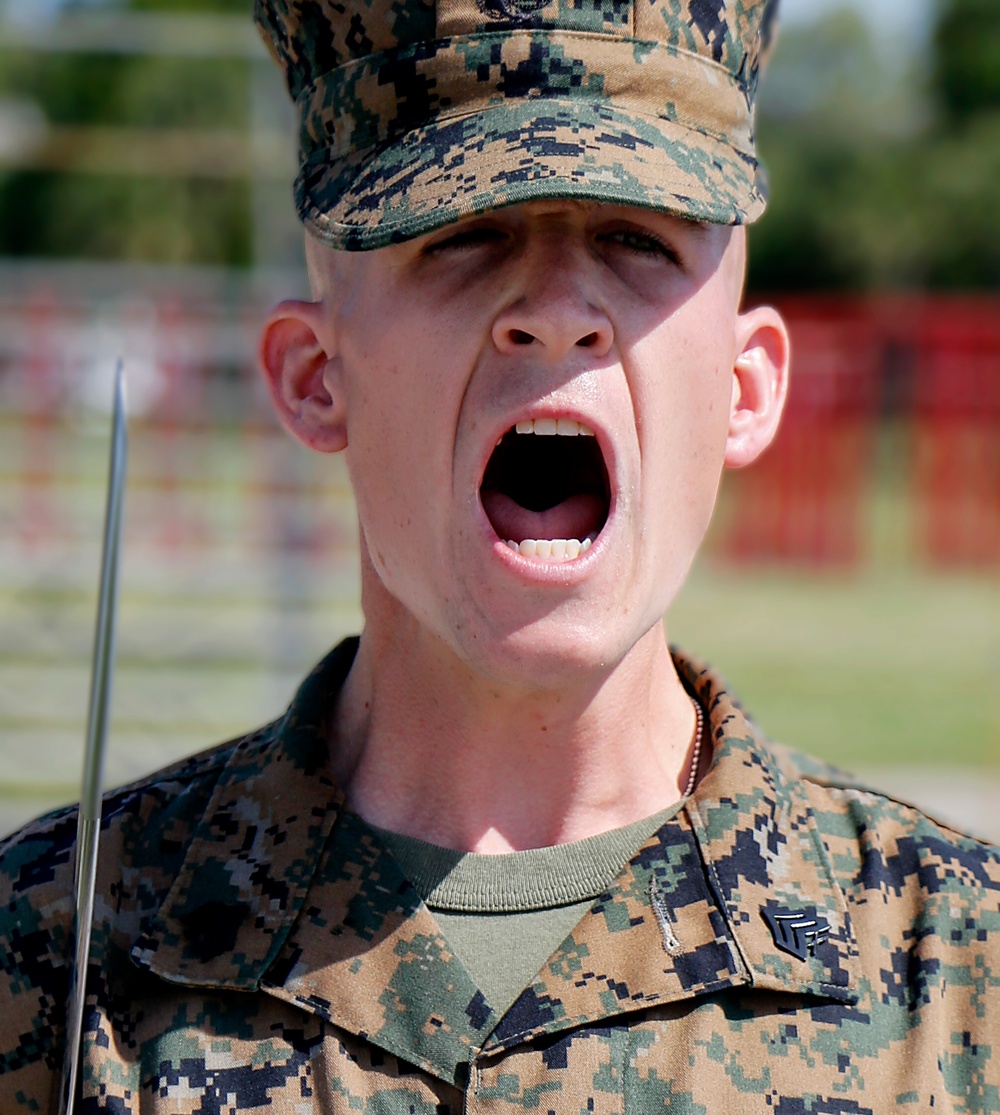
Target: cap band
<point>377,99</point>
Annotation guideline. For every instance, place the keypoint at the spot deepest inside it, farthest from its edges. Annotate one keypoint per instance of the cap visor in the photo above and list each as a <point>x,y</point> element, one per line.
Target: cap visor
<point>525,151</point>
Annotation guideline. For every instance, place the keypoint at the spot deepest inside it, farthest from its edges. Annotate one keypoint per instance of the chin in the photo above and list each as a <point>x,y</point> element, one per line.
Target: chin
<point>547,655</point>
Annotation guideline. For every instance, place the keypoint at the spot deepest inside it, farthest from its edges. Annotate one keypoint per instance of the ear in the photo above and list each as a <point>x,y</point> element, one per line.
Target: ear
<point>298,358</point>
<point>760,385</point>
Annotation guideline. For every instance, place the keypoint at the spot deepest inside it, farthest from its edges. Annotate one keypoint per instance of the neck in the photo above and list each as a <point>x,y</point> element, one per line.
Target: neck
<point>427,748</point>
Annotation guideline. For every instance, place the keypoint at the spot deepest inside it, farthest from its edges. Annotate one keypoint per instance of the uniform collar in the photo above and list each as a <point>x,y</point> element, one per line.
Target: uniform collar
<point>735,890</point>
<point>692,912</point>
<point>254,850</point>
<point>765,856</point>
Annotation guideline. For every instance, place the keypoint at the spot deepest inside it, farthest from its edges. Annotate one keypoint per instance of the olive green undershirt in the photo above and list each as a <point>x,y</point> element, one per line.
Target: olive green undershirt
<point>504,915</point>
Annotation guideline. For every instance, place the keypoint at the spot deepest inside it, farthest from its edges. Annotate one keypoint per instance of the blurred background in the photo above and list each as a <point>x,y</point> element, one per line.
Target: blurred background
<point>850,588</point>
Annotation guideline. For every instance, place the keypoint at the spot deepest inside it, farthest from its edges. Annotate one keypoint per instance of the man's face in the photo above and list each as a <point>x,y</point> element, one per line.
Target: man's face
<point>457,354</point>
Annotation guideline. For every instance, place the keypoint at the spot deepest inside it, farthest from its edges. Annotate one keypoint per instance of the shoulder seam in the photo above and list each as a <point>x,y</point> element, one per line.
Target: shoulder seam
<point>852,785</point>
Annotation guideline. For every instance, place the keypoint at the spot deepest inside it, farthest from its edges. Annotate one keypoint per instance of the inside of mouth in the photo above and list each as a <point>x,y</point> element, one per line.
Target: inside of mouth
<point>539,487</point>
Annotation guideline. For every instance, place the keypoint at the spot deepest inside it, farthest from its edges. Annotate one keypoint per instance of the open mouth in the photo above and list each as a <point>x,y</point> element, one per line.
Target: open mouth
<point>546,490</point>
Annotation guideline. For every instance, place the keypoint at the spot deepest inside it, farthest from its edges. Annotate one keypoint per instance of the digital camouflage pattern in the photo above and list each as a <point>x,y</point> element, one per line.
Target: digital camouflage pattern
<point>414,113</point>
<point>256,950</point>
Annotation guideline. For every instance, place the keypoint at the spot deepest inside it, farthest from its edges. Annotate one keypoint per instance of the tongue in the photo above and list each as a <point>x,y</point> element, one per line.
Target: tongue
<point>575,517</point>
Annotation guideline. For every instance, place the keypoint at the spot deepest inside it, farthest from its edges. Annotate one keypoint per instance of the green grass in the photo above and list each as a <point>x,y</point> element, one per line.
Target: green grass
<point>887,667</point>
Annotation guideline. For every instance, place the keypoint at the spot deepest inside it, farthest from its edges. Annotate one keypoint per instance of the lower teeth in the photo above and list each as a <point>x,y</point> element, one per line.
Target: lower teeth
<point>552,549</point>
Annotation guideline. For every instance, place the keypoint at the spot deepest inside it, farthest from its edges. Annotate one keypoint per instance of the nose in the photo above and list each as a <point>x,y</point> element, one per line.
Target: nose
<point>553,308</point>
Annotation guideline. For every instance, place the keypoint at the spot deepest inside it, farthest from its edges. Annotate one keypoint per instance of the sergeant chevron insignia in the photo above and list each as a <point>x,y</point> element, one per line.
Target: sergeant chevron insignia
<point>797,932</point>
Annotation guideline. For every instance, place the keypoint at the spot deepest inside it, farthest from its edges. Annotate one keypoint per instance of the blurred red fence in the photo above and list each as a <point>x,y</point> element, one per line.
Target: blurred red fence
<point>209,464</point>
<point>929,367</point>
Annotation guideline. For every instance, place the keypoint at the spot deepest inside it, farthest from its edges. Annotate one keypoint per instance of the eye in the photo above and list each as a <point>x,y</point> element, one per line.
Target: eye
<point>641,242</point>
<point>466,236</point>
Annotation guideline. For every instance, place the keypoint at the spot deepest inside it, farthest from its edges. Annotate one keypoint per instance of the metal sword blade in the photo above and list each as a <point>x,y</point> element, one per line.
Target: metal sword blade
<point>102,671</point>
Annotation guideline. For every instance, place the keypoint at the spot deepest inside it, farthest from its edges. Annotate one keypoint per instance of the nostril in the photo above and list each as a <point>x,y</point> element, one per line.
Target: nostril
<point>520,337</point>
<point>587,342</point>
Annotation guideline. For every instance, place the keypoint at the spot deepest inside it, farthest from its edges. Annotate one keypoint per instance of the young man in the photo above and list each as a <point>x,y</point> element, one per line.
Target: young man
<point>506,851</point>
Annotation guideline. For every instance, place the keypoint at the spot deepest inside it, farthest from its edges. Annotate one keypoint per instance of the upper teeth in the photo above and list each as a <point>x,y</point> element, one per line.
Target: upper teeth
<point>565,427</point>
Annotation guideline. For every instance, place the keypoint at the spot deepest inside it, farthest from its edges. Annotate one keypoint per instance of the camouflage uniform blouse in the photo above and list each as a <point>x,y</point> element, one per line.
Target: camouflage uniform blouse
<point>787,943</point>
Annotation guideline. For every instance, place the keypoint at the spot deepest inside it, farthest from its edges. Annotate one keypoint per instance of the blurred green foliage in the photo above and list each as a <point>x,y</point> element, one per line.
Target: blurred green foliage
<point>884,167</point>
<point>132,217</point>
<point>120,89</point>
<point>967,57</point>
<point>108,217</point>
<point>235,7</point>
<point>884,162</point>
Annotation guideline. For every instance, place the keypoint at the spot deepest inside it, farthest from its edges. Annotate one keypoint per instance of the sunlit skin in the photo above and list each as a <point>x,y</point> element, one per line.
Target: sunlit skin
<point>499,702</point>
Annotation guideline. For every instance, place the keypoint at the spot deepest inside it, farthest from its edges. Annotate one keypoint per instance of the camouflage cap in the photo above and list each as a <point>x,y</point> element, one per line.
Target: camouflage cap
<point>414,113</point>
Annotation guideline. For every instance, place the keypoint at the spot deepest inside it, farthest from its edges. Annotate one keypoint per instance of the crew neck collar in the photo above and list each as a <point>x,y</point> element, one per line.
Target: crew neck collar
<point>516,882</point>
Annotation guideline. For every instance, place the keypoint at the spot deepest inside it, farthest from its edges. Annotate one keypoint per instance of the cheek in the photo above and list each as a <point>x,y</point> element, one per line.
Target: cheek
<point>392,472</point>
<point>683,441</point>
<point>398,457</point>
<point>682,393</point>
<point>711,410</point>
<point>705,439</point>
